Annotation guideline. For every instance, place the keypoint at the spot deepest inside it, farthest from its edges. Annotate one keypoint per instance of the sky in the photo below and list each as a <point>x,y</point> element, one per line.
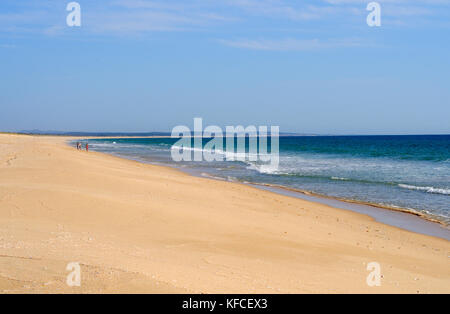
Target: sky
<point>305,66</point>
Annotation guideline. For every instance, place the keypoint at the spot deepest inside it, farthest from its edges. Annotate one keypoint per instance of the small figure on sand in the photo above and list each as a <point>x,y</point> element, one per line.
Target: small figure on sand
<point>78,145</point>
<point>87,147</point>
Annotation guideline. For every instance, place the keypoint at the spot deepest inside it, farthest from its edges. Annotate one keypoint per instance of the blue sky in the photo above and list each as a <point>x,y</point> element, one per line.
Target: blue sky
<point>307,66</point>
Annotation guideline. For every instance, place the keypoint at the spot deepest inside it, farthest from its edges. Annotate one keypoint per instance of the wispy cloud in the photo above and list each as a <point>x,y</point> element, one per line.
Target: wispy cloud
<point>7,46</point>
<point>291,44</point>
<point>140,16</point>
<point>398,8</point>
<point>275,9</point>
<point>116,17</point>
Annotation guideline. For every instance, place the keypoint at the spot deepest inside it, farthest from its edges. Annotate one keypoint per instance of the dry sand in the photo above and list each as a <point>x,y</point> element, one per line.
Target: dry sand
<point>135,227</point>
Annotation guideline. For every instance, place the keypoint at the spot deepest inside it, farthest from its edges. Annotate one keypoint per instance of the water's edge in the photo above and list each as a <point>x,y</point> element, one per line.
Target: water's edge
<point>399,219</point>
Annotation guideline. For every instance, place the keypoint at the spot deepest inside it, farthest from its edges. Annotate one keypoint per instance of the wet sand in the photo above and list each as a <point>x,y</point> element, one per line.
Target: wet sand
<point>396,218</point>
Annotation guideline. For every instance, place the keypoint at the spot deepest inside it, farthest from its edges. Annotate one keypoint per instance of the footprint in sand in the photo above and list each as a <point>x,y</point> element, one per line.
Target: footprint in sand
<point>10,159</point>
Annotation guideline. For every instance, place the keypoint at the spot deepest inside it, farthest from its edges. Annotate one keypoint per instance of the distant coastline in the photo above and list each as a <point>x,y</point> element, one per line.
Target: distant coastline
<point>168,134</point>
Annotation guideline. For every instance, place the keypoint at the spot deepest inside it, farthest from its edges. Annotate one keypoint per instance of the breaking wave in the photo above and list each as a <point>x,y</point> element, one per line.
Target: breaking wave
<point>428,189</point>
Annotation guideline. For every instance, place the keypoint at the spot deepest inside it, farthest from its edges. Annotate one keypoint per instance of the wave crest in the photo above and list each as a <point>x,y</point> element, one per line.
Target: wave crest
<point>428,189</point>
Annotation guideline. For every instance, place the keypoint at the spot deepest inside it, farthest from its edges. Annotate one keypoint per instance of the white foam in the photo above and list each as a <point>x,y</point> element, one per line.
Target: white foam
<point>228,155</point>
<point>267,169</point>
<point>207,175</point>
<point>339,178</point>
<point>428,189</point>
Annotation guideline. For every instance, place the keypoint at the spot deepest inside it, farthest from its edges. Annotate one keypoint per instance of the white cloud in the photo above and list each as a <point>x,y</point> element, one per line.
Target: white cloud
<point>398,8</point>
<point>290,44</point>
<point>117,17</point>
<point>7,46</point>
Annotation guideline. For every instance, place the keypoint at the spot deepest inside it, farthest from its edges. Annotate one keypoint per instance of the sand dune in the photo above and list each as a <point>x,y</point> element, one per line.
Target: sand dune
<point>141,228</point>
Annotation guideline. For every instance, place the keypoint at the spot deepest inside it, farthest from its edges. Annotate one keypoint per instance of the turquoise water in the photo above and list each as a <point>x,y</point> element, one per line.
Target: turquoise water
<point>411,172</point>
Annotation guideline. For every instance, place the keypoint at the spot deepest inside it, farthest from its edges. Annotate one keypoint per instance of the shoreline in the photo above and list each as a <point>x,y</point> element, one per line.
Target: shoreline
<point>396,218</point>
<point>408,211</point>
<point>442,229</point>
<point>137,227</point>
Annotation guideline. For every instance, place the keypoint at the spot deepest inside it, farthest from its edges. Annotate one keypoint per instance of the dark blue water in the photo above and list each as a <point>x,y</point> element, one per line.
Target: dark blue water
<point>411,172</point>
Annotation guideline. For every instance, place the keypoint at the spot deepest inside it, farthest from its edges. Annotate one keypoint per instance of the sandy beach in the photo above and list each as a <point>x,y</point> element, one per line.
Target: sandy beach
<point>135,227</point>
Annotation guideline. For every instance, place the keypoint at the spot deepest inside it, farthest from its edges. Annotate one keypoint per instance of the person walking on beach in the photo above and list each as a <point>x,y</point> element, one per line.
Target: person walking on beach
<point>78,145</point>
<point>87,147</point>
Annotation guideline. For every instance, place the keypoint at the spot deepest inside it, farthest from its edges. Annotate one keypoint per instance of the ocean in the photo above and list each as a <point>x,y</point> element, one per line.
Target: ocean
<point>403,172</point>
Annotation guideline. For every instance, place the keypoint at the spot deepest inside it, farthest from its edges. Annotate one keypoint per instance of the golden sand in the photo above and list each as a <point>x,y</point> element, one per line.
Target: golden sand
<point>135,227</point>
